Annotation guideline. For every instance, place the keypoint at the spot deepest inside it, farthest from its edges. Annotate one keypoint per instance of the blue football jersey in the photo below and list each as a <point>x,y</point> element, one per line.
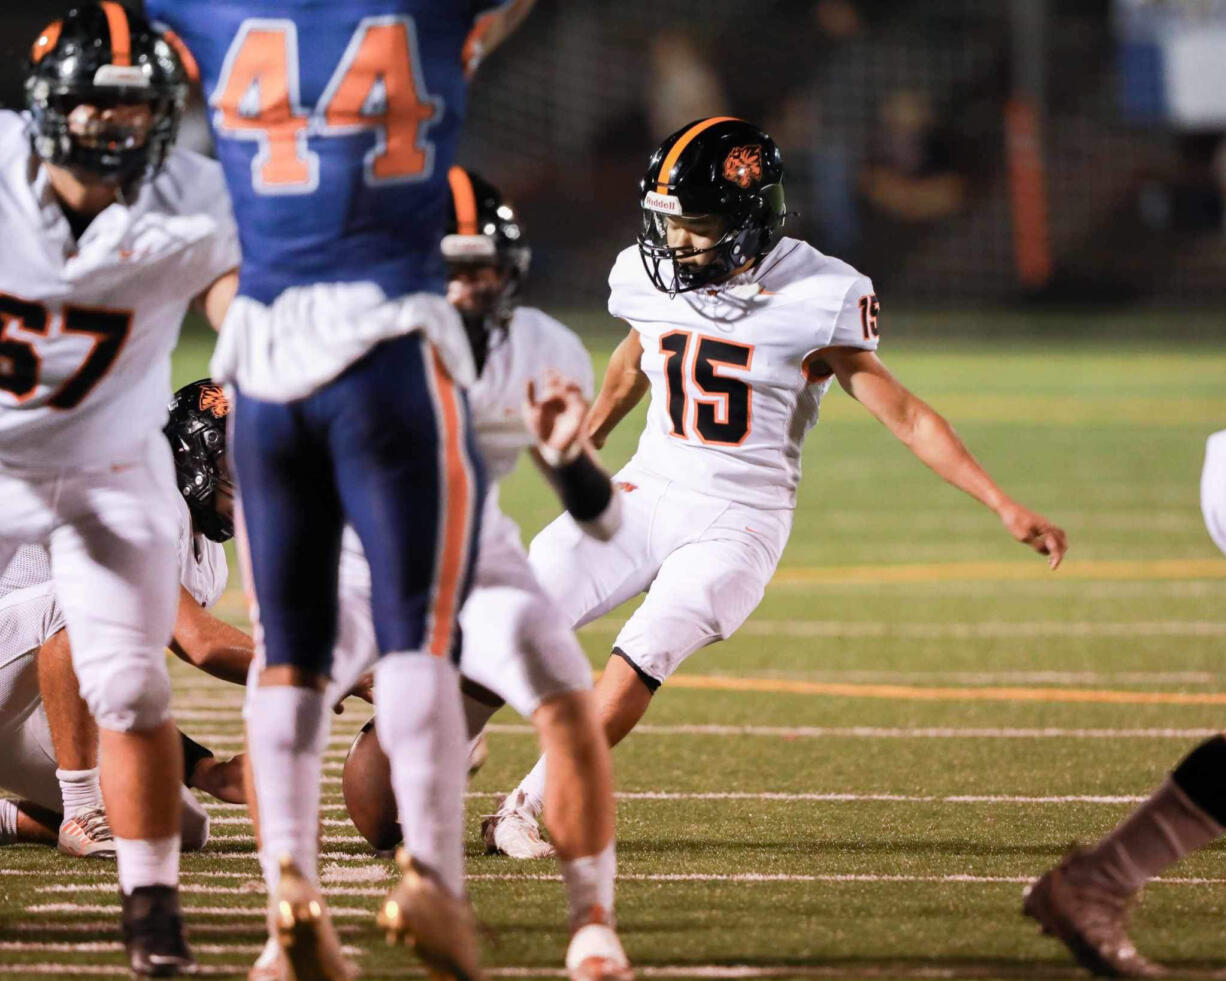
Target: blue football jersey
<point>335,122</point>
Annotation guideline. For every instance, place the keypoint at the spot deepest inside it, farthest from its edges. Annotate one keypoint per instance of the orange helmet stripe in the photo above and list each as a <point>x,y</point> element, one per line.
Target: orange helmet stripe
<point>185,55</point>
<point>465,201</point>
<point>121,34</point>
<point>46,41</point>
<point>678,148</point>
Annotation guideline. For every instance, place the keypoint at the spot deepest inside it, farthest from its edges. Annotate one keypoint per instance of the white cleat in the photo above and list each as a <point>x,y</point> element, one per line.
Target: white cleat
<point>268,966</point>
<point>595,953</point>
<point>478,753</point>
<point>87,835</point>
<point>513,830</point>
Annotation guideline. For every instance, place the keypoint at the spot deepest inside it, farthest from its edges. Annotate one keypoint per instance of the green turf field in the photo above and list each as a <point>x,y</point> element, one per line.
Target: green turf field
<point>928,718</point>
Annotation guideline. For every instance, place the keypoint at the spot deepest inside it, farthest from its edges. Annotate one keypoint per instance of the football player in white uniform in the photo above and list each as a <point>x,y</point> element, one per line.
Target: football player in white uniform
<point>51,742</point>
<point>1085,901</point>
<point>110,235</point>
<point>517,646</point>
<point>737,331</point>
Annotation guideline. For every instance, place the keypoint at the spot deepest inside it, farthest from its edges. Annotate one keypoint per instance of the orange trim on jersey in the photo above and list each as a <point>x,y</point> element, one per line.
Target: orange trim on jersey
<point>455,520</point>
<point>465,199</point>
<point>121,33</point>
<point>185,55</point>
<point>678,148</point>
<point>46,41</point>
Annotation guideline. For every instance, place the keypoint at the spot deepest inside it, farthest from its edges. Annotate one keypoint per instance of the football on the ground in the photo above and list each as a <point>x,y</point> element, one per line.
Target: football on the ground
<point>366,784</point>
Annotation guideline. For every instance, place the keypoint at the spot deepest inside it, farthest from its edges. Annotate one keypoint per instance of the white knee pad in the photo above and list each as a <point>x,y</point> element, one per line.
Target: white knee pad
<point>194,822</point>
<point>127,692</point>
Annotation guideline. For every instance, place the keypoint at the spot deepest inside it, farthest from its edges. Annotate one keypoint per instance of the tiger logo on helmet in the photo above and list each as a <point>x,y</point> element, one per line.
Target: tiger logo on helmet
<point>743,166</point>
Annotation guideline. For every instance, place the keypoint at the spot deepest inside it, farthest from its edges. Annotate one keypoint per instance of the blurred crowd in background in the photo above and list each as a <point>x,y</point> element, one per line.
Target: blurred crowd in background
<point>903,149</point>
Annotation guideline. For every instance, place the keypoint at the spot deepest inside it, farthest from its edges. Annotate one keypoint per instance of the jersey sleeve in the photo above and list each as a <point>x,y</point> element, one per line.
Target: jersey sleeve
<point>855,324</point>
<point>631,294</point>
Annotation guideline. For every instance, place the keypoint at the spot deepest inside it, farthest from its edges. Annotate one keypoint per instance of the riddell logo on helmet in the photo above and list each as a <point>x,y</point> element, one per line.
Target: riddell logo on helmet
<point>213,399</point>
<point>663,203</point>
<point>743,166</point>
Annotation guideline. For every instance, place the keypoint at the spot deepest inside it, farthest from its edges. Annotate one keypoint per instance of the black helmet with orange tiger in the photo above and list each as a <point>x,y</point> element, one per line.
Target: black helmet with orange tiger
<point>91,77</point>
<point>196,429</point>
<point>716,166</point>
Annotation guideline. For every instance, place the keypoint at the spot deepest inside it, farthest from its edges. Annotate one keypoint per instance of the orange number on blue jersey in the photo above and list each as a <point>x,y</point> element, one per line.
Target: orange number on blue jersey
<point>377,86</point>
<point>257,99</point>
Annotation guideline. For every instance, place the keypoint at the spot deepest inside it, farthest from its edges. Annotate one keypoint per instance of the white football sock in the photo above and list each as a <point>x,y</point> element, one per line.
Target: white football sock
<point>80,791</point>
<point>421,729</point>
<point>589,883</point>
<point>8,821</point>
<point>147,862</point>
<point>287,730</point>
<point>1153,837</point>
<point>533,787</point>
<point>476,714</point>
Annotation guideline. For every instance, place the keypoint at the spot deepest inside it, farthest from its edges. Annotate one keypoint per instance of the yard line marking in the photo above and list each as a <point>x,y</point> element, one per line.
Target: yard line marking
<point>254,911</point>
<point>99,970</point>
<point>894,732</point>
<point>376,892</point>
<point>964,629</point>
<point>917,693</point>
<point>107,946</point>
<point>1112,569</point>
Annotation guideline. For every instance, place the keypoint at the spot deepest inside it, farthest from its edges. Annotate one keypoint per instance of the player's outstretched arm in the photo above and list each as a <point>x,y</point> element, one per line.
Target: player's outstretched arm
<point>491,29</point>
<point>623,387</point>
<point>210,644</point>
<point>555,416</point>
<point>930,437</point>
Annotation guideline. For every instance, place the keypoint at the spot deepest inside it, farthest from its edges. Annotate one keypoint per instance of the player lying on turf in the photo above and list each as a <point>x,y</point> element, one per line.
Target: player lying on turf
<point>737,331</point>
<point>110,234</point>
<point>516,642</point>
<point>51,743</point>
<point>1085,901</point>
<point>336,122</point>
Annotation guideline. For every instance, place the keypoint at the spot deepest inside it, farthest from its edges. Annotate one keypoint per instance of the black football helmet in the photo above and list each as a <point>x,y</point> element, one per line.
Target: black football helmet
<point>484,230</point>
<point>197,433</point>
<point>717,166</point>
<point>108,57</point>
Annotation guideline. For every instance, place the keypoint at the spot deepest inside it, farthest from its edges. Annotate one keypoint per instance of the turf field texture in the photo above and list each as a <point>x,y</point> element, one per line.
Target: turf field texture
<point>917,719</point>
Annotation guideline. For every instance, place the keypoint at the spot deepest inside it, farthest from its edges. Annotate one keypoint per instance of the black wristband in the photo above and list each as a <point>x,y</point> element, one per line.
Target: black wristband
<point>585,489</point>
<point>193,753</point>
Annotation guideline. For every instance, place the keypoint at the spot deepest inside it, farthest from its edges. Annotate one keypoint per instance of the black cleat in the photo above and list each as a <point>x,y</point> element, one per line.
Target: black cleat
<point>153,933</point>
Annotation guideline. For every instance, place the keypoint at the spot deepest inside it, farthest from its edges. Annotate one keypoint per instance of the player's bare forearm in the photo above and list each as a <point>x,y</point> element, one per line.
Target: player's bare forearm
<point>215,301</point>
<point>210,644</point>
<point>623,388</point>
<point>932,439</point>
<point>491,30</point>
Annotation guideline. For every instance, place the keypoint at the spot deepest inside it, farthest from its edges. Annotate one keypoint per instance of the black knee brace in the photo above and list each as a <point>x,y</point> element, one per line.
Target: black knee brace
<point>1202,776</point>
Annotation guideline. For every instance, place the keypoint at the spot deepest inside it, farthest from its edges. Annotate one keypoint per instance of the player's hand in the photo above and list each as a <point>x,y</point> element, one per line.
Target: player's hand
<point>555,416</point>
<point>364,688</point>
<point>1036,531</point>
<point>222,779</point>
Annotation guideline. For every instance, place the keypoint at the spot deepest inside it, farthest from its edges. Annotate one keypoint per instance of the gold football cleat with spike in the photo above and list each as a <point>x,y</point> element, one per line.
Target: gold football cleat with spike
<point>438,926</point>
<point>310,948</point>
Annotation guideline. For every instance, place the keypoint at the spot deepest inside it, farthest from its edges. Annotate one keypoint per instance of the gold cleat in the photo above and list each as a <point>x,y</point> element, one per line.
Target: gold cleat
<point>310,948</point>
<point>438,926</point>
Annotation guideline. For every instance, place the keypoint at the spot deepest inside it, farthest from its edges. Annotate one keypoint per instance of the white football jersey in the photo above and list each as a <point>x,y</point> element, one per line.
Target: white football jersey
<point>732,393</point>
<point>87,327</point>
<point>533,346</point>
<point>29,613</point>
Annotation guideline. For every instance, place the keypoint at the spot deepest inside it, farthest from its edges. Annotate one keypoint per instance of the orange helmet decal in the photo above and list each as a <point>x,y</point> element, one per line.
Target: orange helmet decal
<point>46,41</point>
<point>743,166</point>
<point>213,399</point>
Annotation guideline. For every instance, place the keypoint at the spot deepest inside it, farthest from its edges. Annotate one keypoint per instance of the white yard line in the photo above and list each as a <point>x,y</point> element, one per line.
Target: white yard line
<point>963,630</point>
